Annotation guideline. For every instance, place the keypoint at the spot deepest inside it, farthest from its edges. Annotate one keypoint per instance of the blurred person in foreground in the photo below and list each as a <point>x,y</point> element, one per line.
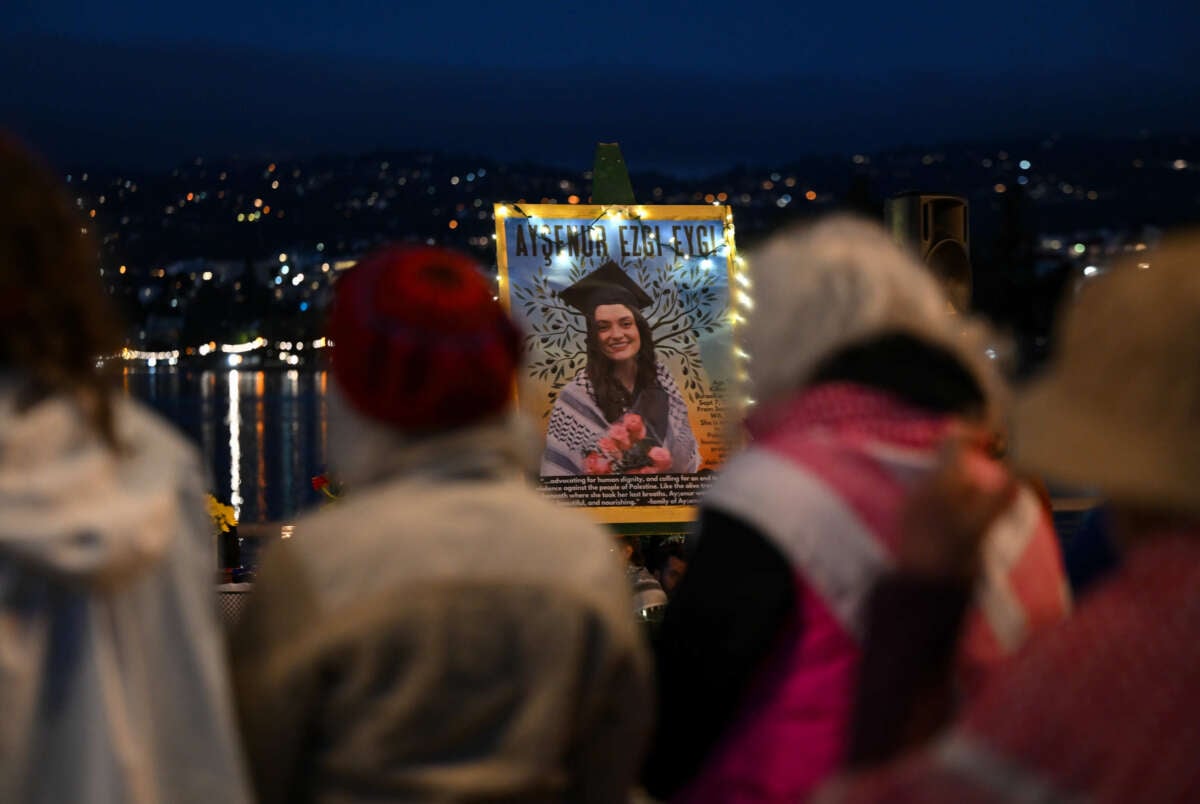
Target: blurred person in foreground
<point>859,373</point>
<point>1104,707</point>
<point>113,681</point>
<point>443,633</point>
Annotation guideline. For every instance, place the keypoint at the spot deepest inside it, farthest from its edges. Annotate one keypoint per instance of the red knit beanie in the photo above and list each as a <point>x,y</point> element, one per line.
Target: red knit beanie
<point>419,342</point>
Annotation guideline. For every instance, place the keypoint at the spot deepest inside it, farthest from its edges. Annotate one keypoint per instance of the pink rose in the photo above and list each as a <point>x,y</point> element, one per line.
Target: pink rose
<point>661,458</point>
<point>607,446</point>
<point>596,464</point>
<point>620,436</point>
<point>634,424</point>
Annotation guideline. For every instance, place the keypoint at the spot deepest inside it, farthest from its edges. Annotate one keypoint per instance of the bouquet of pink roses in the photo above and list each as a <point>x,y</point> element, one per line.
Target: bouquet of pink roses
<point>625,449</point>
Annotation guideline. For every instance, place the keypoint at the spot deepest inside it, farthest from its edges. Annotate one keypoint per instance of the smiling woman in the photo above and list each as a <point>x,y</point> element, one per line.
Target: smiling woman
<point>623,411</point>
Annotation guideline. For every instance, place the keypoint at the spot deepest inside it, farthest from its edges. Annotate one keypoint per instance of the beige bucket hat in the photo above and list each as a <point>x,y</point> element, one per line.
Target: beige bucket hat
<point>1118,407</point>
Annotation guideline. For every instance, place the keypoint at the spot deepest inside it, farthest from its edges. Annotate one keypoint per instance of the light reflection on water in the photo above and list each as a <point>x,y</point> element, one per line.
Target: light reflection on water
<point>262,434</point>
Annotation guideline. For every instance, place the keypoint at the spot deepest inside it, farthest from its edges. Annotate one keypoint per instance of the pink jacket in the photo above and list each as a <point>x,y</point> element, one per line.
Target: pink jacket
<point>824,483</point>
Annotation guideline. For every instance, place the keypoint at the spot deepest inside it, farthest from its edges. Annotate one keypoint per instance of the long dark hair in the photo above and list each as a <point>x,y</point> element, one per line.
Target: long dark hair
<point>54,314</point>
<point>611,396</point>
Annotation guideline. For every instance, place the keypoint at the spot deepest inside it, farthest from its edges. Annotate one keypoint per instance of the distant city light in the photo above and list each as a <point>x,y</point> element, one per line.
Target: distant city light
<point>1024,164</point>
<point>1079,248</point>
<point>1091,270</point>
<point>283,257</point>
<point>303,306</point>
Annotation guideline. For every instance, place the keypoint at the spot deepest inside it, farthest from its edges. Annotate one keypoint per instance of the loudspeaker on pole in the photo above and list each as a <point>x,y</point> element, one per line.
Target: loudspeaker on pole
<point>936,225</point>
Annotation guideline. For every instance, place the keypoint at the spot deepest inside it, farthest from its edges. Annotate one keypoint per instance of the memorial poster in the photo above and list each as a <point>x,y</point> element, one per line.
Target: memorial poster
<point>632,367</point>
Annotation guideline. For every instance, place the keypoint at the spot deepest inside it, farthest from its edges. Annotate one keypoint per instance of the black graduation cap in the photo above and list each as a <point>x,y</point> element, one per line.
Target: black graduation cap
<point>608,284</point>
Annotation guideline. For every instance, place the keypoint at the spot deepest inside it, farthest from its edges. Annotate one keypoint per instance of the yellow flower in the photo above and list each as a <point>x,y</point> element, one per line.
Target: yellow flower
<point>223,516</point>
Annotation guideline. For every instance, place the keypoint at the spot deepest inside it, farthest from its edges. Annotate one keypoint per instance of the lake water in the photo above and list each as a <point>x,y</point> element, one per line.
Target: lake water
<point>262,434</point>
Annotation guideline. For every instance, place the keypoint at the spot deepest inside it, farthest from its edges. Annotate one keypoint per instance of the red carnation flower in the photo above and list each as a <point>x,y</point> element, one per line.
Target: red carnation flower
<point>634,426</point>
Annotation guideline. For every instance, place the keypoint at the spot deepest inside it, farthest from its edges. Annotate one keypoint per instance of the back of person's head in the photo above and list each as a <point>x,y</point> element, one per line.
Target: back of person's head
<point>842,284</point>
<point>55,319</point>
<point>420,343</point>
<point>1118,405</point>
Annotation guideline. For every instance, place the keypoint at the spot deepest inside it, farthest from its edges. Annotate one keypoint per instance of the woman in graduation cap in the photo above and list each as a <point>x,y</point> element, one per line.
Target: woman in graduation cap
<point>623,411</point>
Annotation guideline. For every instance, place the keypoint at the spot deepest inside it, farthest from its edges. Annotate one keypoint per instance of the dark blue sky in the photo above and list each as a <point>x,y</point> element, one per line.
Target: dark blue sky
<point>685,85</point>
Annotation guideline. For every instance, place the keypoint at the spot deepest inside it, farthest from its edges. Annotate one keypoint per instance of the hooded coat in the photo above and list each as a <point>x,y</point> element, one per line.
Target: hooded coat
<point>442,634</point>
<point>113,682</point>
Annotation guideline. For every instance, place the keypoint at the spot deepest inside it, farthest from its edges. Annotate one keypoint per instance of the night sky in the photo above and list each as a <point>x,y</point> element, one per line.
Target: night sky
<point>683,86</point>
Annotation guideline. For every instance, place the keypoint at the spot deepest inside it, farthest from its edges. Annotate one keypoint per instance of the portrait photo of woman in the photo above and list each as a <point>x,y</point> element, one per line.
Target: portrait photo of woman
<point>621,413</point>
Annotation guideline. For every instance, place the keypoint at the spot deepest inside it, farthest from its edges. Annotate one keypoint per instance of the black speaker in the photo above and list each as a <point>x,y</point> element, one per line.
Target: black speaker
<point>936,226</point>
